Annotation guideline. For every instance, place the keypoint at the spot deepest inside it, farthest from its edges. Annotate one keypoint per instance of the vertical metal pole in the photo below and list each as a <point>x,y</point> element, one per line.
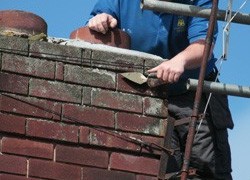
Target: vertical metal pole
<point>198,95</point>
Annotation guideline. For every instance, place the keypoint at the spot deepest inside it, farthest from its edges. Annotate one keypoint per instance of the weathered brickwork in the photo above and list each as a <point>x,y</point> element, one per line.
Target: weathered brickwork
<point>67,113</point>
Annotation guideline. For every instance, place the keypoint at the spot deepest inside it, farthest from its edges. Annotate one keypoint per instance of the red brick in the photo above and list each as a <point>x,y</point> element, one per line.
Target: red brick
<point>126,85</point>
<point>104,174</point>
<point>138,123</point>
<point>28,66</point>
<point>152,62</point>
<point>114,140</point>
<point>27,147</point>
<point>155,107</point>
<point>30,106</point>
<point>142,177</point>
<point>136,164</point>
<point>117,61</point>
<point>52,130</point>
<point>57,52</point>
<point>115,100</point>
<point>88,115</point>
<point>53,170</point>
<point>84,135</point>
<point>55,90</point>
<point>81,156</point>
<point>86,95</point>
<point>14,44</point>
<point>90,77</point>
<point>12,124</point>
<point>14,83</point>
<point>59,71</point>
<point>13,164</point>
<point>155,142</point>
<point>15,177</point>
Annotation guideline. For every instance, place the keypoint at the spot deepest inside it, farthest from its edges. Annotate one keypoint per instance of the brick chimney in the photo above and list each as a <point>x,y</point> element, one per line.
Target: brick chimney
<point>67,113</point>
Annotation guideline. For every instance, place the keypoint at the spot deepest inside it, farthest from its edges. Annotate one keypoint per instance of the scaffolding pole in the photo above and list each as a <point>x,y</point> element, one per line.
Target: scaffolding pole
<point>220,88</point>
<point>191,10</point>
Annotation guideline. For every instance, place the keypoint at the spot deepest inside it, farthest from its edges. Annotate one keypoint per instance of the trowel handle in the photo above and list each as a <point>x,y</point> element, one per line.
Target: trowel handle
<point>154,82</point>
<point>152,75</point>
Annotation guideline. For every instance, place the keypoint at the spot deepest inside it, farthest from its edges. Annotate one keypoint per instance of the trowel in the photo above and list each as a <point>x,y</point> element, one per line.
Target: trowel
<point>139,78</point>
<point>191,84</point>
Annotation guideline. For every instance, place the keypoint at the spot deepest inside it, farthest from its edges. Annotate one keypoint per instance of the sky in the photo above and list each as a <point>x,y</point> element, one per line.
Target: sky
<point>64,16</point>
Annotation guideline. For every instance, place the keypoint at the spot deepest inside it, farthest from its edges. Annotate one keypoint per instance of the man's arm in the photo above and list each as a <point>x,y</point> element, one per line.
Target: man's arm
<point>190,58</point>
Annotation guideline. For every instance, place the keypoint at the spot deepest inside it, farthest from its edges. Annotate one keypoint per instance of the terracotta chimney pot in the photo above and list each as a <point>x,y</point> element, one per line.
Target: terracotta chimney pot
<point>22,22</point>
<point>114,37</point>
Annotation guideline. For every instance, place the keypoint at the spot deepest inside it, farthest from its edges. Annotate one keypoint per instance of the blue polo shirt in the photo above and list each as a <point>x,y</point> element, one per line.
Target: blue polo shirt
<point>157,33</point>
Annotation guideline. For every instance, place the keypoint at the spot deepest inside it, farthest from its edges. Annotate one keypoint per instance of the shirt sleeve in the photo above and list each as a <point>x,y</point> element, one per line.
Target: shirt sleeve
<point>106,6</point>
<point>198,27</point>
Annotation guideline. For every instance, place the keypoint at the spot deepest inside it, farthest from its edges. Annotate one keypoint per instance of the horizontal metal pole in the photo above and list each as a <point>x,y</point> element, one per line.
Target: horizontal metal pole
<point>191,10</point>
<point>220,88</point>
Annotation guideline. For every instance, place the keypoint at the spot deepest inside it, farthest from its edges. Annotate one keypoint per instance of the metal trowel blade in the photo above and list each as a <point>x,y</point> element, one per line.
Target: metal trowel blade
<point>135,77</point>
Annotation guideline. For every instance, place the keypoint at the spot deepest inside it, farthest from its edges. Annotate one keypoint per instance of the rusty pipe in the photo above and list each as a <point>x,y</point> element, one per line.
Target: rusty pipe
<point>198,95</point>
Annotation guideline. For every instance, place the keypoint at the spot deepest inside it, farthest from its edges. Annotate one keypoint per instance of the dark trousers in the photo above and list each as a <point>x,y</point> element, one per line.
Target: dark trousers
<point>211,152</point>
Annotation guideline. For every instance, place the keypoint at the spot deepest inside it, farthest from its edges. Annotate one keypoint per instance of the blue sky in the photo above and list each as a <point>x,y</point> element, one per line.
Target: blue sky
<point>64,16</point>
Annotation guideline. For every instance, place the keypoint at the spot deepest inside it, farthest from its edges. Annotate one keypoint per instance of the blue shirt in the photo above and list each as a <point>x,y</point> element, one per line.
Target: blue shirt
<point>157,33</point>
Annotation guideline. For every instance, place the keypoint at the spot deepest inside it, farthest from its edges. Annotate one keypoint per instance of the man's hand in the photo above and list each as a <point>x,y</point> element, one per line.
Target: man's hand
<point>190,58</point>
<point>169,71</point>
<point>102,22</point>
